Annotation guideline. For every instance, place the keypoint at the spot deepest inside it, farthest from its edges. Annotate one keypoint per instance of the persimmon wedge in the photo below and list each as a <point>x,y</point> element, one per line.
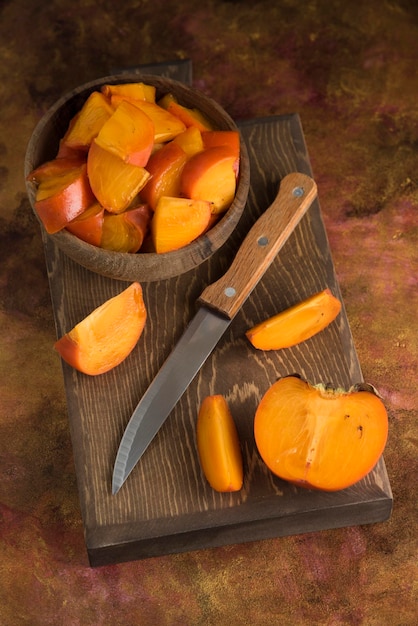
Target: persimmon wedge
<point>318,437</point>
<point>177,222</point>
<point>297,323</point>
<point>164,167</point>
<point>60,198</point>
<point>114,182</point>
<point>128,134</point>
<point>104,338</point>
<point>86,125</point>
<point>211,175</point>
<point>125,232</point>
<point>89,225</point>
<point>218,445</point>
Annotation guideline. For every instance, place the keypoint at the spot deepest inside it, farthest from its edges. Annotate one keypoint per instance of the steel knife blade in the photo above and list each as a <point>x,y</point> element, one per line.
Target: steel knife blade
<point>218,305</point>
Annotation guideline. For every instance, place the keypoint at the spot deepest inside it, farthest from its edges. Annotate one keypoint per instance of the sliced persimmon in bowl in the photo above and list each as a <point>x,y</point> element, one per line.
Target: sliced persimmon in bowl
<point>104,338</point>
<point>177,222</point>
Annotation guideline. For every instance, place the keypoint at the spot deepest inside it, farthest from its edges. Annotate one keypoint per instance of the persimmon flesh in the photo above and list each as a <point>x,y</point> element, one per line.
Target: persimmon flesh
<point>164,167</point>
<point>320,438</point>
<point>104,338</point>
<point>297,323</point>
<point>218,445</point>
<point>177,222</point>
<point>125,232</point>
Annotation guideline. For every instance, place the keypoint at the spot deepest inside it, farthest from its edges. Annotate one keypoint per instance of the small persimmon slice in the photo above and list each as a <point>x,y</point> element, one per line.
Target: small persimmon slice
<point>190,116</point>
<point>177,222</point>
<point>125,232</point>
<point>61,198</point>
<point>229,138</point>
<point>211,175</point>
<point>104,338</point>
<point>128,134</point>
<point>166,125</point>
<point>218,445</point>
<point>87,124</point>
<point>114,182</point>
<point>89,225</point>
<point>55,167</point>
<point>190,141</point>
<point>165,167</point>
<point>130,91</point>
<point>318,437</point>
<point>297,323</point>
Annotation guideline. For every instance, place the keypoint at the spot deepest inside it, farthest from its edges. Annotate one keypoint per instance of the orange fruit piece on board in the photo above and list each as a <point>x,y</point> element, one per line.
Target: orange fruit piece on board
<point>89,225</point>
<point>128,134</point>
<point>296,324</point>
<point>218,445</point>
<point>61,197</point>
<point>114,182</point>
<point>164,167</point>
<point>318,437</point>
<point>125,232</point>
<point>86,124</point>
<point>104,338</point>
<point>211,175</point>
<point>177,222</point>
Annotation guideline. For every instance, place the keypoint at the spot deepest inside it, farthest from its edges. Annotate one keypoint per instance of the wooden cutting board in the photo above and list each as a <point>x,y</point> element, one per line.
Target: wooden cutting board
<point>166,505</point>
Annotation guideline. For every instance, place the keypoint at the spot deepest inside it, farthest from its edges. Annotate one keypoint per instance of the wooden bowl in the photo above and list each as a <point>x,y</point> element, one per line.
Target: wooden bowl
<point>142,266</point>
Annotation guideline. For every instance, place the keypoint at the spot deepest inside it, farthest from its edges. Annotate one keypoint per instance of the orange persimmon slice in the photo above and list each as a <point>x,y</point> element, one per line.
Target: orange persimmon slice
<point>166,125</point>
<point>317,437</point>
<point>165,167</point>
<point>62,197</point>
<point>128,134</point>
<point>297,323</point>
<point>104,338</point>
<point>211,175</point>
<point>129,91</point>
<point>125,232</point>
<point>86,125</point>
<point>190,141</point>
<point>89,225</point>
<point>230,138</point>
<point>188,115</point>
<point>114,182</point>
<point>218,445</point>
<point>177,222</point>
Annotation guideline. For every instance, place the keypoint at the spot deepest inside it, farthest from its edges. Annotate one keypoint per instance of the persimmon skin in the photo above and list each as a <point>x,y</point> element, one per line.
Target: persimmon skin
<point>164,167</point>
<point>89,225</point>
<point>61,198</point>
<point>105,337</point>
<point>218,445</point>
<point>297,323</point>
<point>320,438</point>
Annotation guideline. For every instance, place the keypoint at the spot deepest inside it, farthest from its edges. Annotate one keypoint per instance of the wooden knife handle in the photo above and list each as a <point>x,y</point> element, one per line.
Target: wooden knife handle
<point>260,246</point>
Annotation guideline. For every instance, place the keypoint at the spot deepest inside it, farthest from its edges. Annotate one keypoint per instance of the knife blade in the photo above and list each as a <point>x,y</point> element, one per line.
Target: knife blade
<point>218,305</point>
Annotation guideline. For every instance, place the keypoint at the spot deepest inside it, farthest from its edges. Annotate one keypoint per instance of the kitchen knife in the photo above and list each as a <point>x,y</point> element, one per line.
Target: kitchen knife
<point>219,303</point>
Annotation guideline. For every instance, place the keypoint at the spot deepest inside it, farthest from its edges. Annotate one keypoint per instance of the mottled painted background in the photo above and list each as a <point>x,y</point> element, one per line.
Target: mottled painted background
<point>350,70</point>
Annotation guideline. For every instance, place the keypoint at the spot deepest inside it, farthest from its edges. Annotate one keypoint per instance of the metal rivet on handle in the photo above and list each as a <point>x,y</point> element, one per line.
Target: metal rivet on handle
<point>298,192</point>
<point>230,292</point>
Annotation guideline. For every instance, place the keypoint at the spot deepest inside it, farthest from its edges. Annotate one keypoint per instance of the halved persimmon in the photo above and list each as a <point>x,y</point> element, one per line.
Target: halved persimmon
<point>297,323</point>
<point>114,182</point>
<point>218,445</point>
<point>318,437</point>
<point>177,222</point>
<point>104,338</point>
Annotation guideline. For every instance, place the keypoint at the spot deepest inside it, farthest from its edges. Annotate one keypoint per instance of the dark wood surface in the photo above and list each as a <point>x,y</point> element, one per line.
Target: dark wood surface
<point>166,505</point>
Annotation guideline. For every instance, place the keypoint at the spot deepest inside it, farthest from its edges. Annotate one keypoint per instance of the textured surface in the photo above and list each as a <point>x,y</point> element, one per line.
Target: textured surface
<point>349,71</point>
